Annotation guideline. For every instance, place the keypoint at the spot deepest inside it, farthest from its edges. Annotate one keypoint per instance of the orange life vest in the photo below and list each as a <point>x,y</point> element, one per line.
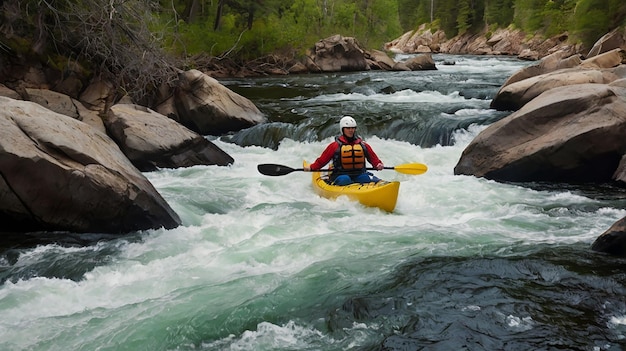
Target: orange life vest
<point>352,157</point>
<point>349,158</point>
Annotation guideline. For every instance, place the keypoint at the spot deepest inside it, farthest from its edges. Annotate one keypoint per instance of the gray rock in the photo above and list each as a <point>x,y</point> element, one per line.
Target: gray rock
<point>567,134</point>
<point>613,40</point>
<point>612,241</point>
<point>338,54</point>
<point>421,62</point>
<point>515,95</point>
<point>60,174</point>
<point>555,61</point>
<point>151,140</point>
<point>205,106</point>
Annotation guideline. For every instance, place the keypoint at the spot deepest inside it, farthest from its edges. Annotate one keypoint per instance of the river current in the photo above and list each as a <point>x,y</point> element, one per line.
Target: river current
<point>262,263</point>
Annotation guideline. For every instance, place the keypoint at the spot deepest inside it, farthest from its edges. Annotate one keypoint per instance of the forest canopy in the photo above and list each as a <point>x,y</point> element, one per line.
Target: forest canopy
<point>584,20</point>
<point>257,27</point>
<point>247,29</point>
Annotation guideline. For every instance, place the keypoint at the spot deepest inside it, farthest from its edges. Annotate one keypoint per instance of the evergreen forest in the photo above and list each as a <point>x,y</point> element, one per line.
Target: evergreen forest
<point>258,27</point>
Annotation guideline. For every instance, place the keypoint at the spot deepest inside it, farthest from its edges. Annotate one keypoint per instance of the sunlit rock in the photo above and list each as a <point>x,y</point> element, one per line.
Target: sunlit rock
<point>554,71</point>
<point>380,60</point>
<point>98,94</point>
<point>421,62</point>
<point>555,61</point>
<point>513,96</point>
<point>613,40</point>
<point>608,59</point>
<point>568,134</point>
<point>338,54</point>
<point>205,106</point>
<point>53,101</point>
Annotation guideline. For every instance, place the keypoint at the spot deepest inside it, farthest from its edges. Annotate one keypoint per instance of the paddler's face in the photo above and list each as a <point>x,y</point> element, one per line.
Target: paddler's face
<point>349,131</point>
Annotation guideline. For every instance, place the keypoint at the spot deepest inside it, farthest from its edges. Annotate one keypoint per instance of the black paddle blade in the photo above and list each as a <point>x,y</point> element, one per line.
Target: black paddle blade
<point>275,170</point>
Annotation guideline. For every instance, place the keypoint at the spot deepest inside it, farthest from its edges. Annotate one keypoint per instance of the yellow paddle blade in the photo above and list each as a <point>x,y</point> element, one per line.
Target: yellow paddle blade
<point>411,168</point>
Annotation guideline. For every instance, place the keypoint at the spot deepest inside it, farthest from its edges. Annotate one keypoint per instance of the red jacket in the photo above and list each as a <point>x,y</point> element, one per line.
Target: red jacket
<point>329,152</point>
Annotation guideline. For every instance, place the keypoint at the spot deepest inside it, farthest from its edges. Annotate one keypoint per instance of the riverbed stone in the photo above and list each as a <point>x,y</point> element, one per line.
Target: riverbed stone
<point>612,241</point>
<point>515,95</point>
<point>54,101</point>
<point>151,140</point>
<point>60,174</point>
<point>380,60</point>
<point>205,106</point>
<point>613,40</point>
<point>338,54</point>
<point>421,62</point>
<point>555,61</point>
<point>567,134</point>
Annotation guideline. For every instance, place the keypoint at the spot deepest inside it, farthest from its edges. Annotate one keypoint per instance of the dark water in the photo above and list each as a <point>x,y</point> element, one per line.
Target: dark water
<point>562,298</point>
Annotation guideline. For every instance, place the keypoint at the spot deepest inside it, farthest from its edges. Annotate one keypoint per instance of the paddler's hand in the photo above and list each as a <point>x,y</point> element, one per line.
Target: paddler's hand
<point>380,166</point>
<point>307,169</point>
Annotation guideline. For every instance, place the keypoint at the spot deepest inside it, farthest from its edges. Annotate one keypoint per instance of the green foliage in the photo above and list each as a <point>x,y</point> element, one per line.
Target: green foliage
<point>617,13</point>
<point>446,12</point>
<point>591,20</point>
<point>585,20</point>
<point>557,14</point>
<point>254,28</point>
<point>527,15</point>
<point>464,16</point>
<point>498,12</point>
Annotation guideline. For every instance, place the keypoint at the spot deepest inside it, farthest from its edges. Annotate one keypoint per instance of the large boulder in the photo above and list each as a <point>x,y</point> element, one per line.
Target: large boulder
<point>54,101</point>
<point>60,174</point>
<point>422,40</point>
<point>513,96</point>
<point>555,61</point>
<point>98,94</point>
<point>151,140</point>
<point>615,39</point>
<point>205,106</point>
<point>379,60</point>
<point>600,69</point>
<point>608,59</point>
<point>338,54</point>
<point>567,134</point>
<point>421,62</point>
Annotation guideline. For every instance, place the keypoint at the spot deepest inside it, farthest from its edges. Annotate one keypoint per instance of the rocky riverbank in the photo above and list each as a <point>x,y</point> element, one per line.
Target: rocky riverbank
<point>503,41</point>
<point>567,126</point>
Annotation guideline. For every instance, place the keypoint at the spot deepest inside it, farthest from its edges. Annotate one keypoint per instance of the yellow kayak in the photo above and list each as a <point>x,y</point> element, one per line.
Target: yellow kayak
<point>382,194</point>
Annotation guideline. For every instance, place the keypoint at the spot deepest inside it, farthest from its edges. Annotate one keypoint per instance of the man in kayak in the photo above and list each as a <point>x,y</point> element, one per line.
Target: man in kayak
<point>348,153</point>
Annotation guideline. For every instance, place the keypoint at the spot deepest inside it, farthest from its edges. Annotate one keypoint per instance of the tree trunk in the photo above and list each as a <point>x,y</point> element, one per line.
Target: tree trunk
<point>218,15</point>
<point>192,8</point>
<point>250,18</point>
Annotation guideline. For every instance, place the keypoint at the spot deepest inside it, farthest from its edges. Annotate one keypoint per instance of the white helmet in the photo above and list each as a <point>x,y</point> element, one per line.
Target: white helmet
<point>346,121</point>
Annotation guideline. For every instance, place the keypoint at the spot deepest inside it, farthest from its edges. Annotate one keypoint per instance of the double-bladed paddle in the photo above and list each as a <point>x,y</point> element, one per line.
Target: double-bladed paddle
<point>271,169</point>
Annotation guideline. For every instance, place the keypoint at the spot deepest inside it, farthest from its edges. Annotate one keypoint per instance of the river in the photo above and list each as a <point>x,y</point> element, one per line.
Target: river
<point>262,263</point>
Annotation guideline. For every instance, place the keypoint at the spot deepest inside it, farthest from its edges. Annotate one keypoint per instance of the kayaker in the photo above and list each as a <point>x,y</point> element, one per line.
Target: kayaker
<point>348,153</point>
